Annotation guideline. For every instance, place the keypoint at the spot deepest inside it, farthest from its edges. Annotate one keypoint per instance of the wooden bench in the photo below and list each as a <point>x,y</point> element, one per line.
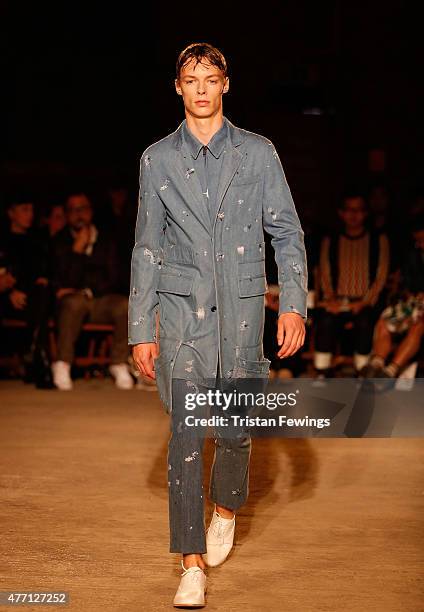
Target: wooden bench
<point>98,349</point>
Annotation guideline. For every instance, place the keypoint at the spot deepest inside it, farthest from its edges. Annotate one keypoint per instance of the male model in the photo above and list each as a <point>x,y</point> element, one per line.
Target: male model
<point>207,192</point>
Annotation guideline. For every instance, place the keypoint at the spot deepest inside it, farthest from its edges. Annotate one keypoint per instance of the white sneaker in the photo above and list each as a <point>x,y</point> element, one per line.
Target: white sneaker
<point>61,371</point>
<point>120,373</point>
<point>192,589</point>
<point>219,539</point>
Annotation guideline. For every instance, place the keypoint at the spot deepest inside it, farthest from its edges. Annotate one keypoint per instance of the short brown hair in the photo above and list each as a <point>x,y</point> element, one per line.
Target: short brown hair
<point>199,51</point>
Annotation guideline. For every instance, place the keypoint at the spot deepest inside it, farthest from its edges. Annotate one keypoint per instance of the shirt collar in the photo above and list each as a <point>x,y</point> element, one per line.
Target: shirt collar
<point>215,145</point>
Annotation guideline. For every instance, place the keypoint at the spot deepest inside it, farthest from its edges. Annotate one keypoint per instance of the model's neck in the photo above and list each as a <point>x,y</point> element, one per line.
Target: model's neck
<point>205,127</point>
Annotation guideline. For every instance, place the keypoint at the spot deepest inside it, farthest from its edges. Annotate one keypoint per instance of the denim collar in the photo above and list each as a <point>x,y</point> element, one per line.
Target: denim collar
<point>215,145</point>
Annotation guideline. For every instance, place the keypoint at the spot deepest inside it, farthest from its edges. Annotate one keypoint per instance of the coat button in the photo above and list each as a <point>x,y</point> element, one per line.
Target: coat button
<point>213,308</point>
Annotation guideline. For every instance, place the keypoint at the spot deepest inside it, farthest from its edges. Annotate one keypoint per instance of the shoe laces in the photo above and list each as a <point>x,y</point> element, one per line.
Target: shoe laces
<point>195,573</point>
<point>218,527</point>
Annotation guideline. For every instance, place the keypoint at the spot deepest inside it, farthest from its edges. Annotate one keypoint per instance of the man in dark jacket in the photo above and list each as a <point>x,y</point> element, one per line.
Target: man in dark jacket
<point>25,286</point>
<point>85,278</point>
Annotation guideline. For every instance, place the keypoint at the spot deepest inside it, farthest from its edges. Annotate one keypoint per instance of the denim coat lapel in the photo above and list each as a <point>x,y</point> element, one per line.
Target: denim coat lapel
<point>229,168</point>
<point>189,183</point>
<point>191,188</point>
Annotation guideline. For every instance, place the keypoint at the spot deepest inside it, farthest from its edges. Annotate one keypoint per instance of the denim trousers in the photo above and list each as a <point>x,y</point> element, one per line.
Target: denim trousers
<point>229,478</point>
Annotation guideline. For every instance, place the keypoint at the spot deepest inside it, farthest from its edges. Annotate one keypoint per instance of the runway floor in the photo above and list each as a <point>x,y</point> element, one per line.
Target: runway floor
<point>330,525</point>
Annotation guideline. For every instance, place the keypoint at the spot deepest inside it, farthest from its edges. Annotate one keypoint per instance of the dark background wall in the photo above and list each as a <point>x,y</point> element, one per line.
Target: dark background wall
<point>86,87</point>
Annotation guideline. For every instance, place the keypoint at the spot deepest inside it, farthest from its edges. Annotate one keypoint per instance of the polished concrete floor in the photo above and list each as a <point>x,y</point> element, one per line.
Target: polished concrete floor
<point>330,525</point>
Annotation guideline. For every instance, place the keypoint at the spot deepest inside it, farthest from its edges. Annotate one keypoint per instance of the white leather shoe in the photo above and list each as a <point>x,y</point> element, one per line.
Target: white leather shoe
<point>192,589</point>
<point>120,372</point>
<point>61,371</point>
<point>219,539</point>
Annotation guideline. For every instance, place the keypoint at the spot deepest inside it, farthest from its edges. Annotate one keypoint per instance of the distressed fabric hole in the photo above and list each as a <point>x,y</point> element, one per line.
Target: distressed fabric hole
<point>191,457</point>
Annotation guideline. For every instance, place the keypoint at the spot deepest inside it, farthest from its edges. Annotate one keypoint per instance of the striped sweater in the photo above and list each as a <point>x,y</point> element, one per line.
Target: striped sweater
<point>354,268</point>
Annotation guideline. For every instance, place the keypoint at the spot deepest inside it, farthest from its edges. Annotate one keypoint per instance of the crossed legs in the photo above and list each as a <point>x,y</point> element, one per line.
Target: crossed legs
<point>407,349</point>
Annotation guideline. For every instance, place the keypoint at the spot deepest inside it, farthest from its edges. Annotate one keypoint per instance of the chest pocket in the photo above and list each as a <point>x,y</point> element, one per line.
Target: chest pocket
<point>246,180</point>
<point>251,278</point>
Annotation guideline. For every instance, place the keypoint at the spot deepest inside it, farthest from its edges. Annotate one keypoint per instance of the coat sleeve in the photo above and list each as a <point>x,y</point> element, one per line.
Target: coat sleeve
<point>146,256</point>
<point>280,219</point>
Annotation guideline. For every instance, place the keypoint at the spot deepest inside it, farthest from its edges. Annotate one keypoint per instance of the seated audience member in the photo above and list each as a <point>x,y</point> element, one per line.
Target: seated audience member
<point>86,277</point>
<point>52,222</point>
<point>54,219</point>
<point>402,321</point>
<point>27,296</point>
<point>354,263</point>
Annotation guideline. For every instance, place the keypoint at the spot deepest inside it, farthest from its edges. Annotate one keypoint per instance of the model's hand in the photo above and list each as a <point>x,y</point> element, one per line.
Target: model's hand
<point>143,355</point>
<point>291,333</point>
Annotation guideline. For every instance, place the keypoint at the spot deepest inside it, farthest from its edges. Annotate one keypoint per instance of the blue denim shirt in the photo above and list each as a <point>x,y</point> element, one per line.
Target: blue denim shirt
<point>207,161</point>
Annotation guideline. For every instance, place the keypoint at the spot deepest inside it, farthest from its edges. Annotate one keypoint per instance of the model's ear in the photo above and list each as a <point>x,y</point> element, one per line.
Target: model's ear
<point>226,85</point>
<point>178,88</point>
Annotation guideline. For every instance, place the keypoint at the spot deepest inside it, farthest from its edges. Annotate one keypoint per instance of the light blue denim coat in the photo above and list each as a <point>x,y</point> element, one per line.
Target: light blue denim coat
<point>207,281</point>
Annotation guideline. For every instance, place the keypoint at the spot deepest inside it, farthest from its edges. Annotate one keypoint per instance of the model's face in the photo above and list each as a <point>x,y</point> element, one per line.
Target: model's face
<point>202,87</point>
<point>353,214</point>
<point>78,211</point>
<point>22,215</point>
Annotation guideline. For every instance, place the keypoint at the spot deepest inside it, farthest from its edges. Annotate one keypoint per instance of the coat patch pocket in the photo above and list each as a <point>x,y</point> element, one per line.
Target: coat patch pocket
<point>245,368</point>
<point>175,282</point>
<point>251,278</point>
